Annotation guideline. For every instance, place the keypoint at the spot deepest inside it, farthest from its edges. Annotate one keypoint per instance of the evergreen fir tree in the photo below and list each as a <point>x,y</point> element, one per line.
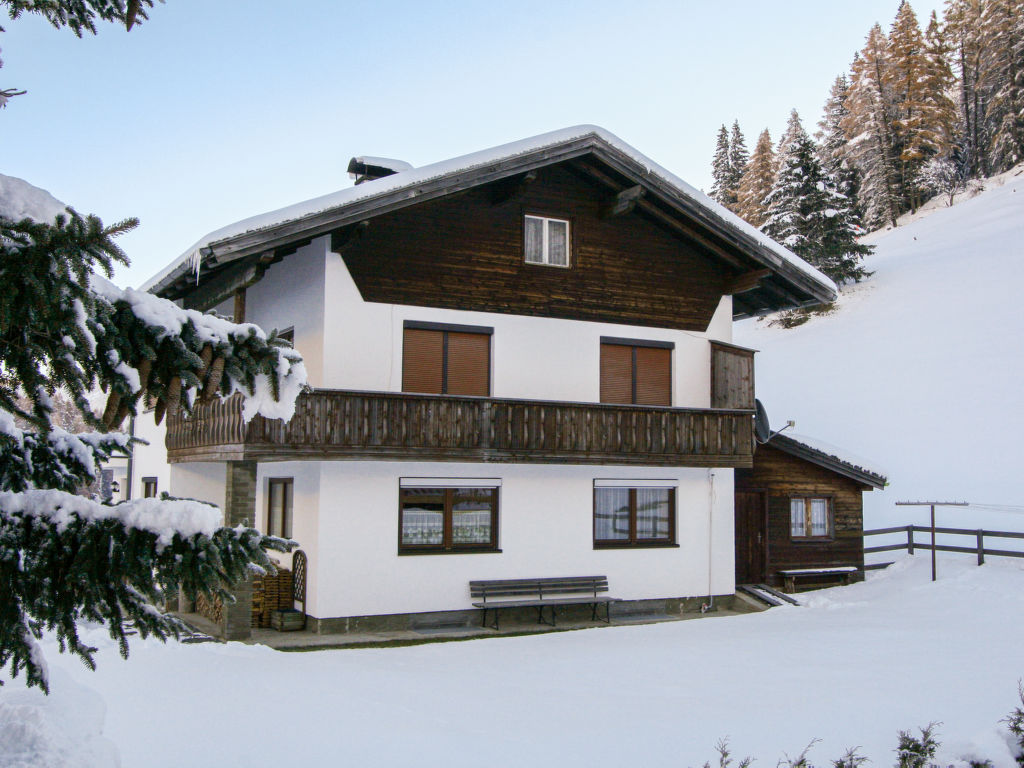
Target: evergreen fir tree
<point>939,83</point>
<point>738,160</point>
<point>757,182</point>
<point>964,30</point>
<point>832,148</point>
<point>869,131</point>
<point>721,170</point>
<point>905,79</point>
<point>1003,79</point>
<point>808,215</point>
<point>65,559</point>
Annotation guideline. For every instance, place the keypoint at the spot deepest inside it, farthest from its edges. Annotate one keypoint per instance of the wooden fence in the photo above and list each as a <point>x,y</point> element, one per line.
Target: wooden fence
<point>910,545</point>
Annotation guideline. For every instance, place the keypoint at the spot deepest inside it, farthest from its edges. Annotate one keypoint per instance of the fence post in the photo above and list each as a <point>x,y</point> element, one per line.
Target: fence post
<point>981,547</point>
<point>910,539</point>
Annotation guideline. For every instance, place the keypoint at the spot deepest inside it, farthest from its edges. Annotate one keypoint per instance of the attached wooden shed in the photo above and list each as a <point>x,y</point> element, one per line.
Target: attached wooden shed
<point>800,514</point>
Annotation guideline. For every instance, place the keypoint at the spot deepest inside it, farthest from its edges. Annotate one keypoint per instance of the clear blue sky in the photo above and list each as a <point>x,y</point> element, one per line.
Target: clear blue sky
<point>215,110</point>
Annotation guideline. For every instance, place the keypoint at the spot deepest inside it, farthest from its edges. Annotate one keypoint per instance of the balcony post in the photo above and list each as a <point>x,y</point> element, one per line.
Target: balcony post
<point>239,509</point>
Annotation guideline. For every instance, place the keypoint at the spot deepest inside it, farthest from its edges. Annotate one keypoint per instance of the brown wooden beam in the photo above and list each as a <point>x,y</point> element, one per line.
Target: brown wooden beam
<point>239,314</point>
<point>512,189</point>
<point>748,281</point>
<point>624,202</point>
<point>654,211</point>
<point>227,282</point>
<point>344,238</point>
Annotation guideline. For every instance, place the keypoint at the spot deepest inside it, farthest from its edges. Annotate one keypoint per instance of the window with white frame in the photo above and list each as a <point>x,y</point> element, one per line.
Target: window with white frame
<point>546,241</point>
<point>810,517</point>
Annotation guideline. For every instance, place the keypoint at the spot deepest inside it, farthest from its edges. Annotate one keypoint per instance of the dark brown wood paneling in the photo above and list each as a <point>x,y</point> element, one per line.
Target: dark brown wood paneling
<point>732,376</point>
<point>616,373</point>
<point>783,477</point>
<point>337,424</point>
<point>653,376</point>
<point>625,269</point>
<point>750,537</point>
<point>469,364</point>
<point>422,361</point>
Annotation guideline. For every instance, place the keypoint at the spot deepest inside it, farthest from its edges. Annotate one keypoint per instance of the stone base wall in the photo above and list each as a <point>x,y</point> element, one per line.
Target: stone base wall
<point>623,610</point>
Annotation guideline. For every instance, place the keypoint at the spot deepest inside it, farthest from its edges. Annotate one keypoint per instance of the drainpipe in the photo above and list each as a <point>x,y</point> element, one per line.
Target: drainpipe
<point>711,517</point>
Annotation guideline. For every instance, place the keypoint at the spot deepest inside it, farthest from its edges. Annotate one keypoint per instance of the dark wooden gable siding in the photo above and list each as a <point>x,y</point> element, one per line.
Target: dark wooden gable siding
<point>781,477</point>
<point>464,252</point>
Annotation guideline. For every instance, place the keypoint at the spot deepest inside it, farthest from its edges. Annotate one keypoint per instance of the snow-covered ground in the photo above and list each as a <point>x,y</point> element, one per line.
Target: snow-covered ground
<point>921,370</point>
<point>852,667</point>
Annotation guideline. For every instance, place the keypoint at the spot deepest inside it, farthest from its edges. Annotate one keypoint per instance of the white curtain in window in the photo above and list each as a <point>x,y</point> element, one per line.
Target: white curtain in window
<point>819,517</point>
<point>534,240</point>
<point>611,514</point>
<point>558,242</point>
<point>471,516</point>
<point>652,511</point>
<point>797,518</point>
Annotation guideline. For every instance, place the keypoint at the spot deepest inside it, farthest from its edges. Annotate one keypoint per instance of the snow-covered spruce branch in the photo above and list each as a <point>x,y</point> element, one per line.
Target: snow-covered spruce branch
<point>58,459</point>
<point>66,559</point>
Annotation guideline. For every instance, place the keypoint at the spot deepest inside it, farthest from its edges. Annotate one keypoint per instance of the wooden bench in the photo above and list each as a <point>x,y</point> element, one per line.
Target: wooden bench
<point>540,594</point>
<point>817,576</point>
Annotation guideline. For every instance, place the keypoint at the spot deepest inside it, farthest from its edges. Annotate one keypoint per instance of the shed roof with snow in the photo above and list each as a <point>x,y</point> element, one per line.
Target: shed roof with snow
<point>829,457</point>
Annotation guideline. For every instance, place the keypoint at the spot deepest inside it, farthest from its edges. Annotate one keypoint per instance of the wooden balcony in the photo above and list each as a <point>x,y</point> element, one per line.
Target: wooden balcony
<point>337,424</point>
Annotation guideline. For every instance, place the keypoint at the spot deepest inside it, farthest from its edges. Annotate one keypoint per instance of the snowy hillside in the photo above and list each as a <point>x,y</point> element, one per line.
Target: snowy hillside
<point>921,370</point>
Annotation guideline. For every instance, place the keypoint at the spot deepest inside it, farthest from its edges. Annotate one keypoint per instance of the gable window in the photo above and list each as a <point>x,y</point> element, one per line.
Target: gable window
<point>634,516</point>
<point>279,507</point>
<point>149,487</point>
<point>442,359</point>
<point>546,241</point>
<point>460,517</point>
<point>810,517</point>
<point>636,372</point>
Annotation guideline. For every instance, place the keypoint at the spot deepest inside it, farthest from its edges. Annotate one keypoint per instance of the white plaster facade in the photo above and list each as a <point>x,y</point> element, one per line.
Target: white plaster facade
<point>346,512</point>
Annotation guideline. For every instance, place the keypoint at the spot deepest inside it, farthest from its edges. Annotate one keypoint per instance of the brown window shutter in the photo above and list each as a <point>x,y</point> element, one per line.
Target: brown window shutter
<point>469,364</point>
<point>422,361</point>
<point>653,376</point>
<point>616,373</point>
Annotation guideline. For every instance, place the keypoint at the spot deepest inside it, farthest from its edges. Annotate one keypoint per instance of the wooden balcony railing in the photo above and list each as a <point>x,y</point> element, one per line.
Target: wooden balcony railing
<point>337,424</point>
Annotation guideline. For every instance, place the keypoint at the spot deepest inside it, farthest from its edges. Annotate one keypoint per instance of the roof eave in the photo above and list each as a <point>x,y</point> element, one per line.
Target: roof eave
<point>826,461</point>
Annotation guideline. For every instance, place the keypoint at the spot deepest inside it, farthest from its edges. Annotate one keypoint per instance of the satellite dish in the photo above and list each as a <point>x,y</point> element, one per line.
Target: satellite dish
<point>762,431</point>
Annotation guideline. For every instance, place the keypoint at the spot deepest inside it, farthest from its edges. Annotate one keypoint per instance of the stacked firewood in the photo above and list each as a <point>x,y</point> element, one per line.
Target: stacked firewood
<point>270,593</point>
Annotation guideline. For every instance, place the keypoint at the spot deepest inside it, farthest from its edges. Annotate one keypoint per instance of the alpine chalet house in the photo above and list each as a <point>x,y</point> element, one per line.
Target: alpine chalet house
<point>522,368</point>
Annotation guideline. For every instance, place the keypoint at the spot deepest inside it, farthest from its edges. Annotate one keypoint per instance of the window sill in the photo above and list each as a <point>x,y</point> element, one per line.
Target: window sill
<point>644,545</point>
<point>466,551</point>
<point>811,539</point>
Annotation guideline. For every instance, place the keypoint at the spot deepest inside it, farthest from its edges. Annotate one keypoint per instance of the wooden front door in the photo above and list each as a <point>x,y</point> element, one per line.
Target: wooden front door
<point>751,538</point>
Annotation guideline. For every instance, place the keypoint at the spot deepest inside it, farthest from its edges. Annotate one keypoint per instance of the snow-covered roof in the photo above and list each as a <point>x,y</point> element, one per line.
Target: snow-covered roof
<point>829,456</point>
<point>771,252</point>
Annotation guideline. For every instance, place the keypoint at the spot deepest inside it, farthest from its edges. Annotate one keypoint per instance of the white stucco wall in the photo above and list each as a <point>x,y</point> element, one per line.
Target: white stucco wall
<point>150,460</point>
<point>291,295</point>
<point>200,480</point>
<point>545,529</point>
<point>532,357</point>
